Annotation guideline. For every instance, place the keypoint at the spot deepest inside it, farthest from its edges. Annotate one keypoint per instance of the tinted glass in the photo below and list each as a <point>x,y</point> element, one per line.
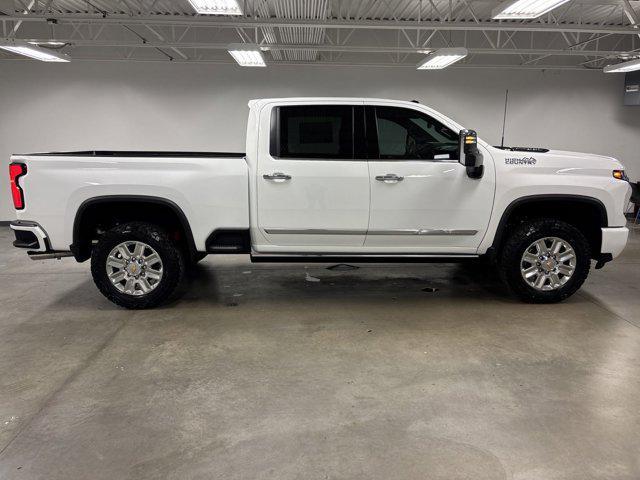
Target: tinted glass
<point>408,134</point>
<point>316,131</point>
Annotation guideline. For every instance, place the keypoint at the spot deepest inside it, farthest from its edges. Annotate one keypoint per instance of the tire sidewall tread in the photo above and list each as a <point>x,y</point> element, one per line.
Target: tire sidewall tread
<point>522,237</point>
<point>172,261</point>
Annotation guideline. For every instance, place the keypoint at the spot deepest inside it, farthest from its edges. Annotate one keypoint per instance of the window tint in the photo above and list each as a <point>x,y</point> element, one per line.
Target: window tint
<point>409,134</point>
<point>316,131</point>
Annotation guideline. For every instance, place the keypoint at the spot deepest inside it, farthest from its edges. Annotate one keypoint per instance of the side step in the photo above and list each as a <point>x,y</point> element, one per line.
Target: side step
<point>350,258</point>
<point>49,255</point>
<point>229,241</point>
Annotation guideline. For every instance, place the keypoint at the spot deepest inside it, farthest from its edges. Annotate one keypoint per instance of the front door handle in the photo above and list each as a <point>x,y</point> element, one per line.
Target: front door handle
<point>389,178</point>
<point>277,176</point>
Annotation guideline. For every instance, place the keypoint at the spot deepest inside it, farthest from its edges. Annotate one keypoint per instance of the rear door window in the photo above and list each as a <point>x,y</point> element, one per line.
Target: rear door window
<point>313,132</point>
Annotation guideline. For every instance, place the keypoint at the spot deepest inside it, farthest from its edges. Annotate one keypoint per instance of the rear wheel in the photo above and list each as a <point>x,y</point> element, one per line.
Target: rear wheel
<point>136,265</point>
<point>545,261</point>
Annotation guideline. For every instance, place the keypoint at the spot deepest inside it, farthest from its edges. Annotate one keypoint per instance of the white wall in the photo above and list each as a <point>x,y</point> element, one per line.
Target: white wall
<point>162,106</point>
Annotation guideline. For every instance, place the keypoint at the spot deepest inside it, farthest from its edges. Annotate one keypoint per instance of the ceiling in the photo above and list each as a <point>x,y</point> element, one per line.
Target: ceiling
<point>581,34</point>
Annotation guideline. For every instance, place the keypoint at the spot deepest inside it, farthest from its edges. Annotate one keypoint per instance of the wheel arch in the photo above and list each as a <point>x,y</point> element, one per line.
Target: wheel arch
<point>586,213</point>
<point>84,222</point>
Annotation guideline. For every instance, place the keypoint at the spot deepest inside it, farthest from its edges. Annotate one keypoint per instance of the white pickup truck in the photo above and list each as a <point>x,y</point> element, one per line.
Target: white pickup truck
<point>326,179</point>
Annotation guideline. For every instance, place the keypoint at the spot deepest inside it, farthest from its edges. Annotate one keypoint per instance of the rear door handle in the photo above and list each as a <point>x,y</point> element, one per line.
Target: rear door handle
<point>277,176</point>
<point>389,178</point>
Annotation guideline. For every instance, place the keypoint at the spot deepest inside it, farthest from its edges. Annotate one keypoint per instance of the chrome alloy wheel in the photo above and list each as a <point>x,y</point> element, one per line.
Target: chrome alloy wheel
<point>134,268</point>
<point>548,263</point>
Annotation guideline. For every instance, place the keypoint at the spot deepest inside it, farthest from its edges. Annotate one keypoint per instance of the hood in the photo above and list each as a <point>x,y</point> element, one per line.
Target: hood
<point>562,158</point>
<point>568,153</point>
<point>587,158</point>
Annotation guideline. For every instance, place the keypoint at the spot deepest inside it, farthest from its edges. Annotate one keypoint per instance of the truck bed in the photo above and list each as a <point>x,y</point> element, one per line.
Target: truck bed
<point>211,189</point>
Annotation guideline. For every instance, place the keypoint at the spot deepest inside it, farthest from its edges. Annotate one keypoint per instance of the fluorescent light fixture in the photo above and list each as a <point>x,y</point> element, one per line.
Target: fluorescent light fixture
<point>34,51</point>
<point>629,66</point>
<point>246,55</point>
<point>441,58</point>
<point>50,43</point>
<point>524,8</point>
<point>216,7</point>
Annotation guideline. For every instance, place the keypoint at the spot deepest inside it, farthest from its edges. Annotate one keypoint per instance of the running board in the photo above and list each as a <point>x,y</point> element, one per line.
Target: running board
<point>441,258</point>
<point>49,255</point>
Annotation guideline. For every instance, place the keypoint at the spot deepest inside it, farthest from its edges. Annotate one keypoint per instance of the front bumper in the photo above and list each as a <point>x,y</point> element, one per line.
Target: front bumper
<point>614,239</point>
<point>30,235</point>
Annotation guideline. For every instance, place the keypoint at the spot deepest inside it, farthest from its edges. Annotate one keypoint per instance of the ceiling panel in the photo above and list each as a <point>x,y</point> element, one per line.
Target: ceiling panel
<point>585,34</point>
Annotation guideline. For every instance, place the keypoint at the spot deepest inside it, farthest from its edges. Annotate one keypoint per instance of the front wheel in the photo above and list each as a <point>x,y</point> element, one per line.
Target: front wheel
<point>136,265</point>
<point>545,261</point>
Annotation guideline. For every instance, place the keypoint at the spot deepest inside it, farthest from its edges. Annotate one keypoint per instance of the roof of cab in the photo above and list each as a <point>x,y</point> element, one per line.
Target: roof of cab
<point>262,101</point>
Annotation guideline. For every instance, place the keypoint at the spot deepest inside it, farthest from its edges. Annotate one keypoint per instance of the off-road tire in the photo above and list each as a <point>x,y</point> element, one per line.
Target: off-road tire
<point>510,258</point>
<point>172,261</point>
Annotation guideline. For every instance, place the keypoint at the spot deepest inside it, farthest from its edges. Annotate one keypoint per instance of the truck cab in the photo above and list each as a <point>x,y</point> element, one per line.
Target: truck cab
<point>364,177</point>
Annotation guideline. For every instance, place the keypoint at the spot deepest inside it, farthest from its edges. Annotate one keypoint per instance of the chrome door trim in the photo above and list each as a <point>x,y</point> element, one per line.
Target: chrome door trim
<point>423,231</point>
<point>312,231</point>
<point>320,231</point>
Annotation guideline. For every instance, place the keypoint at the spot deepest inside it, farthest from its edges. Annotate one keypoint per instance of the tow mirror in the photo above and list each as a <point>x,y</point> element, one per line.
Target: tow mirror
<point>470,156</point>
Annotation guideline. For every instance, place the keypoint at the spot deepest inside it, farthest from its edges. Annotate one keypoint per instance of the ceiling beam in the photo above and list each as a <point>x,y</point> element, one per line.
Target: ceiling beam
<point>325,47</point>
<point>180,20</point>
<point>631,14</point>
<point>321,63</point>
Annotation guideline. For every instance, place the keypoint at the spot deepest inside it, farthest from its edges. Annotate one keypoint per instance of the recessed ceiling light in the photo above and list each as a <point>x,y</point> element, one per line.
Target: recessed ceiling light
<point>524,8</point>
<point>34,51</point>
<point>441,58</point>
<point>246,55</point>
<point>216,7</point>
<point>629,66</point>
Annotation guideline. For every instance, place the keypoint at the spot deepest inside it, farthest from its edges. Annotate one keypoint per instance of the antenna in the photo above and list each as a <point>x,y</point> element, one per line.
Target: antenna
<point>504,119</point>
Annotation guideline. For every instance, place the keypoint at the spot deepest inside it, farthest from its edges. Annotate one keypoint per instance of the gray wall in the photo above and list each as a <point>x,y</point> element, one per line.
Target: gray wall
<point>104,105</point>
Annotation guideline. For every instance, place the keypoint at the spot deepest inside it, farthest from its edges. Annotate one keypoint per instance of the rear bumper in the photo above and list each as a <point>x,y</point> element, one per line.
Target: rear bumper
<point>30,235</point>
<point>614,239</point>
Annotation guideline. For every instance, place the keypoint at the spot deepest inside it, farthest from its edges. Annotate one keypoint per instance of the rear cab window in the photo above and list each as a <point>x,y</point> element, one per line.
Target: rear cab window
<point>329,132</point>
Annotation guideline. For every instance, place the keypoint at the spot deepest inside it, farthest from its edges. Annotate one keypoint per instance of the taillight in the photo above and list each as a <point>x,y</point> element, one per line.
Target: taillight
<point>17,170</point>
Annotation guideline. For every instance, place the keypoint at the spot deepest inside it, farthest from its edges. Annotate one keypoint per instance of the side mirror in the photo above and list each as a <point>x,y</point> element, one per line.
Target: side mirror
<point>470,156</point>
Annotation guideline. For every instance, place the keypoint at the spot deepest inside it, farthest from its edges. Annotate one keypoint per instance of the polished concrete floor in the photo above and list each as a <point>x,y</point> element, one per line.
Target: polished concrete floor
<point>264,372</point>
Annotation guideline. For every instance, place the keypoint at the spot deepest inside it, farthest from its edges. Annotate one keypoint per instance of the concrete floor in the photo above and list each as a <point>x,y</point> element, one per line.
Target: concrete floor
<point>258,373</point>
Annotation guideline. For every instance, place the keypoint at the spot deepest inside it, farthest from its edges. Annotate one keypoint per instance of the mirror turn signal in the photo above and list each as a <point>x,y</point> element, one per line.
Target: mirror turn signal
<point>620,175</point>
<point>470,156</point>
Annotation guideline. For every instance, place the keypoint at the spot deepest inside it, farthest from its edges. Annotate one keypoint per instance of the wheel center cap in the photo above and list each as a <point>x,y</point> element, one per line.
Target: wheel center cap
<point>132,268</point>
<point>549,264</point>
